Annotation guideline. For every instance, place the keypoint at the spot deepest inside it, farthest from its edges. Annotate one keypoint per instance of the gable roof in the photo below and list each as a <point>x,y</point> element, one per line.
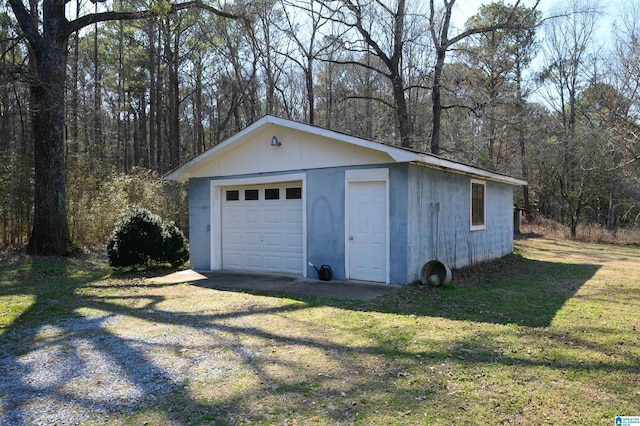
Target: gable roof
<point>396,154</point>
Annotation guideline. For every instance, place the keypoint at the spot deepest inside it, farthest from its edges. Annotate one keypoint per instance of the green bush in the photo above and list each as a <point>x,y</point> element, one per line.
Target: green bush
<point>174,246</point>
<point>141,237</point>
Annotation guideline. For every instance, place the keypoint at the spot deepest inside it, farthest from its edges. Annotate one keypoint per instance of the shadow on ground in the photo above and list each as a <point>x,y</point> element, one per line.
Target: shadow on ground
<point>511,290</point>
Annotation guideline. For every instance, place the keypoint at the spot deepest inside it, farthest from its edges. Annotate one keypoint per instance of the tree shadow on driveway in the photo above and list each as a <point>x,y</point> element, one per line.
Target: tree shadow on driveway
<point>511,290</point>
<point>87,350</point>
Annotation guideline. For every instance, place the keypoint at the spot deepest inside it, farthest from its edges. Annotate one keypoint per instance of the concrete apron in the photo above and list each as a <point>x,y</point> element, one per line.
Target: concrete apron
<point>238,281</point>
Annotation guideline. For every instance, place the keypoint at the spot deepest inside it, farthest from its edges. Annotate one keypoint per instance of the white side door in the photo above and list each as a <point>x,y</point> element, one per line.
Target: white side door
<point>367,231</point>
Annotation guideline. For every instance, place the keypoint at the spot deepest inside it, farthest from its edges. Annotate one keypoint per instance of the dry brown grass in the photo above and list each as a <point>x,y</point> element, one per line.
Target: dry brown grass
<point>590,233</point>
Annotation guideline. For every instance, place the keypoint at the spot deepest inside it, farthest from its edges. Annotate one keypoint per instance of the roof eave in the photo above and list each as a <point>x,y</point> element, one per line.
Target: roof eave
<point>440,163</point>
<point>398,155</point>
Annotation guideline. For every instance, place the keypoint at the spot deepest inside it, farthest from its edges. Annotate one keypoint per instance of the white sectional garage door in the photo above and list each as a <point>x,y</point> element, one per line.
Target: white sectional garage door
<point>262,228</point>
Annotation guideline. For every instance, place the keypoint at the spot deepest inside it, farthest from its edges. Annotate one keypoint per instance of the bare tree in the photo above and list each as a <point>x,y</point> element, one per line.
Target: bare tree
<point>439,26</point>
<point>567,42</point>
<point>380,31</point>
<point>309,42</point>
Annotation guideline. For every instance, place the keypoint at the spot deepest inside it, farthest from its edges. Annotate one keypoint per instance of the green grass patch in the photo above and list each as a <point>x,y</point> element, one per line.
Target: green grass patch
<point>546,336</point>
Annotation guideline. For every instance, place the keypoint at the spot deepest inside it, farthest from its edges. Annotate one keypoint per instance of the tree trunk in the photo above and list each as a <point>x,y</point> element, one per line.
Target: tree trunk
<point>404,124</point>
<point>97,152</point>
<point>308,74</point>
<point>160,165</point>
<point>611,214</point>
<point>50,234</point>
<point>198,137</point>
<point>436,99</point>
<point>173,60</point>
<point>73,119</point>
<point>521,138</point>
<point>329,94</point>
<point>152,94</point>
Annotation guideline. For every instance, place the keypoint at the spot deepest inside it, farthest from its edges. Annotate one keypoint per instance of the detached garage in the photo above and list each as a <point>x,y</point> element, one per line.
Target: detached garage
<point>281,194</point>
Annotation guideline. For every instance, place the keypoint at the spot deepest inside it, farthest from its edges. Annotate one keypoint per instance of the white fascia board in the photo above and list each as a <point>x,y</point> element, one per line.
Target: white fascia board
<point>440,163</point>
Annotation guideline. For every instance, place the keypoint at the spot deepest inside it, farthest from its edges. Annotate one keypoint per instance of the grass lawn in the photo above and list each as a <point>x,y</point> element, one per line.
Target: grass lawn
<point>546,336</point>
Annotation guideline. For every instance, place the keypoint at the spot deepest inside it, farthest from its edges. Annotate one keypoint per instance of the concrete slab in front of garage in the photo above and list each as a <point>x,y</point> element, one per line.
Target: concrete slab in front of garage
<point>239,281</point>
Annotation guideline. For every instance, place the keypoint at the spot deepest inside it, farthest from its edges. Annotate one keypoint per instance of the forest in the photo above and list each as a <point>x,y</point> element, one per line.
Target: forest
<point>146,86</point>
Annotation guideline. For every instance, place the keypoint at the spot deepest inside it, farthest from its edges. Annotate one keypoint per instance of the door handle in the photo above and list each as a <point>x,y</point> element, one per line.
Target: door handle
<point>350,237</point>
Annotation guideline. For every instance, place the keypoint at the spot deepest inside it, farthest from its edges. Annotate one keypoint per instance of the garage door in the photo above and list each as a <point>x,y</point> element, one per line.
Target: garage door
<point>262,228</point>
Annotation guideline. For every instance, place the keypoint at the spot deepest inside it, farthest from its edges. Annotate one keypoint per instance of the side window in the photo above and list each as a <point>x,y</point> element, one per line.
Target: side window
<point>478,203</point>
<point>272,194</point>
<point>294,193</point>
<point>250,194</point>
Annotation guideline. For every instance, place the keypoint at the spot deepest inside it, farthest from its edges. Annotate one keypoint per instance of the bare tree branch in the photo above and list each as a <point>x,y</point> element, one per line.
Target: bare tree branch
<point>26,22</point>
<point>373,98</point>
<point>131,15</point>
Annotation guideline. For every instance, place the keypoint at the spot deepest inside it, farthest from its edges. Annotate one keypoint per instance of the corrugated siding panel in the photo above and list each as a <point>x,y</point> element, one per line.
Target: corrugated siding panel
<point>459,246</point>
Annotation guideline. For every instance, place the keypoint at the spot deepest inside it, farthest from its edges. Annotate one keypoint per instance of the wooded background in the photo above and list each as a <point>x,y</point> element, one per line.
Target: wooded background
<point>541,97</point>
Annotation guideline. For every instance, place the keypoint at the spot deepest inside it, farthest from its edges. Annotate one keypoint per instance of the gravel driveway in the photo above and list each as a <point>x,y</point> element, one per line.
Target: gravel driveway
<point>78,370</point>
<point>122,347</point>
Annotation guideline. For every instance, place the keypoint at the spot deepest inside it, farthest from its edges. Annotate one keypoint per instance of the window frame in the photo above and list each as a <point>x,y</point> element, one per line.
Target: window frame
<point>293,193</point>
<point>483,225</point>
<point>232,195</point>
<point>251,192</point>
<point>268,194</point>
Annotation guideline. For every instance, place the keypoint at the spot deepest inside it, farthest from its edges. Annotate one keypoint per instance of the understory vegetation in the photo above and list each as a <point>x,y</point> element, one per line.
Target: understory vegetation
<point>97,204</point>
<point>548,335</point>
<point>586,232</point>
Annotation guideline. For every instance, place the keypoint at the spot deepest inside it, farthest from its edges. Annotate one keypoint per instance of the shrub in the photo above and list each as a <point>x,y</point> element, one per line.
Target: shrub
<point>141,237</point>
<point>174,246</point>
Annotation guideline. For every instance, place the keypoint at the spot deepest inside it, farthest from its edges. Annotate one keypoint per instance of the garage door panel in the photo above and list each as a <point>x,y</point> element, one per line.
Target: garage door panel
<point>291,263</point>
<point>252,239</point>
<point>252,261</point>
<point>234,239</point>
<point>234,217</point>
<point>293,241</point>
<point>233,260</point>
<point>273,263</point>
<point>273,216</point>
<point>253,216</point>
<point>293,216</point>
<point>272,240</point>
<point>262,235</point>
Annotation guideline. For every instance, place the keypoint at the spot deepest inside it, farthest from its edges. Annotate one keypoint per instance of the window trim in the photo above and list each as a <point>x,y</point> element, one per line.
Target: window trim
<point>252,192</point>
<point>483,225</point>
<point>232,195</point>
<point>270,197</point>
